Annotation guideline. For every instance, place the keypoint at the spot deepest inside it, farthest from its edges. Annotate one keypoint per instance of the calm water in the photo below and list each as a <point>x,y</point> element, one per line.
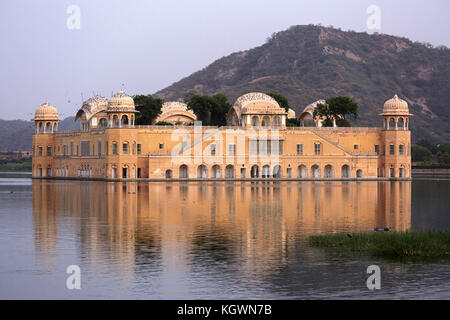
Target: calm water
<point>210,240</point>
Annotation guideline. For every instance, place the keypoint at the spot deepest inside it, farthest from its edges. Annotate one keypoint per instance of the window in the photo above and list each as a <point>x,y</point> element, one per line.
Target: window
<point>99,148</point>
<point>391,149</point>
<point>299,149</point>
<point>139,148</point>
<point>64,150</point>
<point>106,148</point>
<point>355,147</point>
<point>85,148</point>
<point>125,148</point>
<point>78,150</point>
<point>71,148</point>
<point>232,149</point>
<point>280,147</point>
<point>213,149</point>
<point>253,147</point>
<point>40,151</point>
<point>377,149</point>
<point>114,148</point>
<point>317,148</point>
<point>401,149</point>
<point>161,146</point>
<point>49,151</point>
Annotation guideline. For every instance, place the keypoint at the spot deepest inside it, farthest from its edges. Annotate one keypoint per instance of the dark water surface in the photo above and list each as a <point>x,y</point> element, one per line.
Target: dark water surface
<point>209,240</point>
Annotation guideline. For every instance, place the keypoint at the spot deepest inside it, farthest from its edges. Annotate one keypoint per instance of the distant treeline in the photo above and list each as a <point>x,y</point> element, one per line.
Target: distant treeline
<point>427,154</point>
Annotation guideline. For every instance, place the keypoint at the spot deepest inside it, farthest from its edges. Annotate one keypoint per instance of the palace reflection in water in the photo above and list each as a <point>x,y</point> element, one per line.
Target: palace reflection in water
<point>134,227</point>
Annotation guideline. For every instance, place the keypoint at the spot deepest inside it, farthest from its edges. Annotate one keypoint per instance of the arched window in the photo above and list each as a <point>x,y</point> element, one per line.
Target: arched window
<point>391,123</point>
<point>277,122</point>
<point>400,123</point>
<point>169,174</point>
<point>116,121</point>
<point>265,122</point>
<point>359,173</point>
<point>103,123</point>
<point>48,127</point>
<point>255,122</point>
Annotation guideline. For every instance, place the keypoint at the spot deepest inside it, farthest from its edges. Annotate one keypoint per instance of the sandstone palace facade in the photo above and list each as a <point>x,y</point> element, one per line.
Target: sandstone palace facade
<point>255,144</point>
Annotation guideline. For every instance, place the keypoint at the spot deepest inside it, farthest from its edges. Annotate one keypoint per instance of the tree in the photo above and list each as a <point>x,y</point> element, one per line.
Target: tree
<point>291,123</point>
<point>420,153</point>
<point>210,110</point>
<point>336,109</point>
<point>149,108</point>
<point>443,158</point>
<point>282,100</point>
<point>445,147</point>
<point>432,147</point>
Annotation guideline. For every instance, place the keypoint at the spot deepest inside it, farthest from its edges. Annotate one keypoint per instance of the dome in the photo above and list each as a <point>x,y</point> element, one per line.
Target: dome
<point>257,102</point>
<point>291,114</point>
<point>310,108</point>
<point>121,102</point>
<point>92,106</point>
<point>174,105</point>
<point>395,106</point>
<point>174,111</point>
<point>46,112</point>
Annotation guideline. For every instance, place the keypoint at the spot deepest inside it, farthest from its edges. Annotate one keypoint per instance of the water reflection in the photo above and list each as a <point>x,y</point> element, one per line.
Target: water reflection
<point>184,228</point>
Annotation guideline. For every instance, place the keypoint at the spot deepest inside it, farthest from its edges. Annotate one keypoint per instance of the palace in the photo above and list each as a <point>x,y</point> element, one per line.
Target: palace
<point>255,144</point>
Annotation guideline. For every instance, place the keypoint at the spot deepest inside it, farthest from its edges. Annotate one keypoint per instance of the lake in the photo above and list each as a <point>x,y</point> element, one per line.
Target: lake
<point>211,240</point>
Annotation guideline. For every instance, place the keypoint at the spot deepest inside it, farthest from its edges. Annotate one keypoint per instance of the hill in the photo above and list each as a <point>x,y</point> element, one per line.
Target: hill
<point>15,135</point>
<point>308,63</point>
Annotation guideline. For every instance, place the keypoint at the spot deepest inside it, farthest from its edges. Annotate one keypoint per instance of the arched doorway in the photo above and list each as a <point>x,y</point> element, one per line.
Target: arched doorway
<point>276,173</point>
<point>255,122</point>
<point>302,172</point>
<point>254,172</point>
<point>315,172</point>
<point>329,171</point>
<point>265,123</point>
<point>216,172</point>
<point>184,172</point>
<point>230,172</point>
<point>202,172</point>
<point>169,174</point>
<point>266,171</point>
<point>359,173</point>
<point>276,122</point>
<point>125,120</point>
<point>345,171</point>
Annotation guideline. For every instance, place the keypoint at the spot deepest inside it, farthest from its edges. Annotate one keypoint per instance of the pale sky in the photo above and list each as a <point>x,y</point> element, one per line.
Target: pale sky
<point>148,45</point>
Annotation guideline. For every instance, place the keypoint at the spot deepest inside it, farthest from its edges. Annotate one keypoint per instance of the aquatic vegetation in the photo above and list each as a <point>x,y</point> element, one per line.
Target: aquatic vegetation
<point>426,244</point>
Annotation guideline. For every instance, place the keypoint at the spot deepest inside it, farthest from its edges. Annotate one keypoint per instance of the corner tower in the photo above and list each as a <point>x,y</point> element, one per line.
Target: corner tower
<point>46,124</point>
<point>396,138</point>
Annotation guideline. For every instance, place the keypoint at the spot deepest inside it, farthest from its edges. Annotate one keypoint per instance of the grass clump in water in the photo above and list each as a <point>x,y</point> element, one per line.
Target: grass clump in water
<point>409,244</point>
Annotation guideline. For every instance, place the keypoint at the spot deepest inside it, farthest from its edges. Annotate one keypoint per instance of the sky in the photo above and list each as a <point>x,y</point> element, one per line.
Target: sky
<point>64,52</point>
